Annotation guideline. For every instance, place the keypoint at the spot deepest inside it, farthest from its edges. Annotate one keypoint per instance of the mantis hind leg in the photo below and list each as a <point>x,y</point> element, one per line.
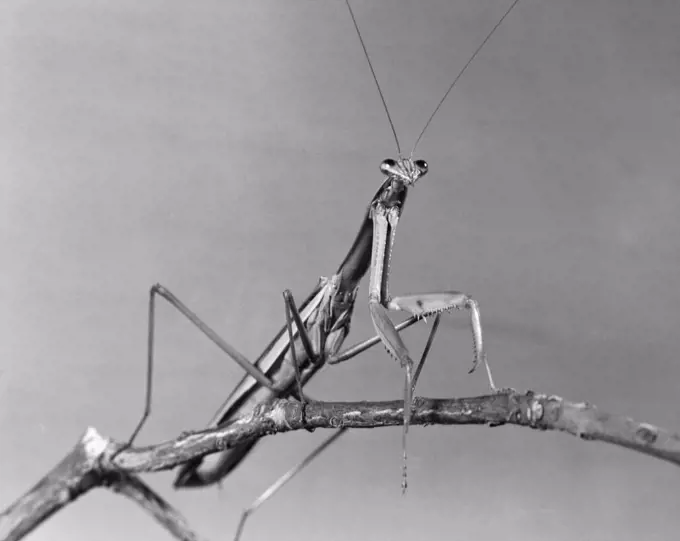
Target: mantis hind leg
<point>274,488</point>
<point>239,358</point>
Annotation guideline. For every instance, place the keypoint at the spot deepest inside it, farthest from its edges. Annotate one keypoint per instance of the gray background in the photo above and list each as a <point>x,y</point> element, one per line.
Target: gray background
<point>228,150</point>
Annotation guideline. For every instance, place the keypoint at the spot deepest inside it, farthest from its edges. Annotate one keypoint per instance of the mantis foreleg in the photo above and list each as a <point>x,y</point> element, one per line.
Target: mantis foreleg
<point>385,220</point>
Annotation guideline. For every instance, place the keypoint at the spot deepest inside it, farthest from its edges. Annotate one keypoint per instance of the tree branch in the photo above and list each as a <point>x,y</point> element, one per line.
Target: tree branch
<point>96,461</point>
<point>80,471</point>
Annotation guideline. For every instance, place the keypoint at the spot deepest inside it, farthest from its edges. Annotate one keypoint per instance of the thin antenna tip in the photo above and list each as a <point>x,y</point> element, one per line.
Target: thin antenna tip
<point>460,73</point>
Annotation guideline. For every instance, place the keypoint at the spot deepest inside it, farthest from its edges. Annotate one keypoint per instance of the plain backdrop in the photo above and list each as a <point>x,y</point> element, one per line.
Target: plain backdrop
<point>228,150</point>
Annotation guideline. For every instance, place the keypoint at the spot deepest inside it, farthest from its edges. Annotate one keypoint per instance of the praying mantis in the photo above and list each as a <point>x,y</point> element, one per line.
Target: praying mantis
<point>321,325</point>
<point>313,335</point>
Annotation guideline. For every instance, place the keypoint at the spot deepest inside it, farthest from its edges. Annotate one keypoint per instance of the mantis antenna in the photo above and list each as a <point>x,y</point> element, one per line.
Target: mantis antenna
<point>460,73</point>
<point>375,78</point>
<point>446,94</point>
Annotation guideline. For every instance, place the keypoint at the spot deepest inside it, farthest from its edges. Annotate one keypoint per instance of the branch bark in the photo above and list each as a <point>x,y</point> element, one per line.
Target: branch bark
<point>98,461</point>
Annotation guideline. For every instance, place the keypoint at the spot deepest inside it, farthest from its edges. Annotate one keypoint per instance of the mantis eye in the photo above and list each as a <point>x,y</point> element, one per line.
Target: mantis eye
<point>386,165</point>
<point>422,166</point>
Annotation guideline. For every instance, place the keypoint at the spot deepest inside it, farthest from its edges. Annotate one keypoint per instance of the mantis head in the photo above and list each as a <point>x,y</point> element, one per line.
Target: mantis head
<point>405,169</point>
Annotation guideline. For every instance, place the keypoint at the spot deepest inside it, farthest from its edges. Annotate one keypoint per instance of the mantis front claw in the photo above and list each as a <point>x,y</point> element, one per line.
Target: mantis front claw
<point>427,304</point>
